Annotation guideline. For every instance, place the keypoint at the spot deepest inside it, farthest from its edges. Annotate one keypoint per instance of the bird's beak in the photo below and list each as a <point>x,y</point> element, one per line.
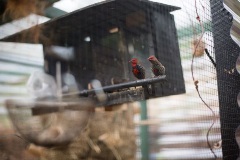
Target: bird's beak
<point>149,58</point>
<point>129,61</point>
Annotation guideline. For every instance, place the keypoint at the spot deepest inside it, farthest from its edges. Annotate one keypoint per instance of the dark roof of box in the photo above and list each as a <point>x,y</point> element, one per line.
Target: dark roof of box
<point>90,16</point>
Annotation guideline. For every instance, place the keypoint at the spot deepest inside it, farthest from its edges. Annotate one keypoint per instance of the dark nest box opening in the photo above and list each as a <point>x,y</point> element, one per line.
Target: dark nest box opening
<point>98,41</point>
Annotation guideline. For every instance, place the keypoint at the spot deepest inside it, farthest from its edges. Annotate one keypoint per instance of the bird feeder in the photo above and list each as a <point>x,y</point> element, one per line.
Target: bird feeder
<point>97,42</point>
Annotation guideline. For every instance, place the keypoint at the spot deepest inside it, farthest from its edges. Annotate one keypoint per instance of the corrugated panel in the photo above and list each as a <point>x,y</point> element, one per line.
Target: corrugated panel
<point>17,62</point>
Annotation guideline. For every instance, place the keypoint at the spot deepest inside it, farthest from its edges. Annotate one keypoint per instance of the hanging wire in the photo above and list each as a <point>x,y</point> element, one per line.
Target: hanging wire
<point>210,57</point>
<point>196,81</point>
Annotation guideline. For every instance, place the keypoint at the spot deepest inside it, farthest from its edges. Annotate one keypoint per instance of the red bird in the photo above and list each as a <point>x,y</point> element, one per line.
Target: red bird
<point>157,68</point>
<point>137,70</point>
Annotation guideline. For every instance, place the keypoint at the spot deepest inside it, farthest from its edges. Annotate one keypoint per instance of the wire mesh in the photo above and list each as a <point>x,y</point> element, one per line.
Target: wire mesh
<point>184,120</point>
<point>227,54</point>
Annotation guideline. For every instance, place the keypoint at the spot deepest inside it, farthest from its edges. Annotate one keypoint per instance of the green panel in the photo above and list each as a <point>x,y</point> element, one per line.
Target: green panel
<point>52,12</point>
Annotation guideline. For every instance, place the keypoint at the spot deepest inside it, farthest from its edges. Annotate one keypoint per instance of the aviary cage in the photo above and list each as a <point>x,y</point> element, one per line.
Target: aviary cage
<point>192,111</point>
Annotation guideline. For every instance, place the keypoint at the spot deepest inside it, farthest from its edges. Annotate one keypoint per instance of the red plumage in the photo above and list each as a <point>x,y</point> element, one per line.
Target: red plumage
<point>137,70</point>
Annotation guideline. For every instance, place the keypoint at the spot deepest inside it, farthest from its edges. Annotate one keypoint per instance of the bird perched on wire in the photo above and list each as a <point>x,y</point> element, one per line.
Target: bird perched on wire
<point>137,70</point>
<point>157,68</point>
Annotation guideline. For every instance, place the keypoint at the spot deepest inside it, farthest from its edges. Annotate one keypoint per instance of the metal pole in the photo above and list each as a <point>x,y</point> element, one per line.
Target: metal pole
<point>141,82</point>
<point>144,132</point>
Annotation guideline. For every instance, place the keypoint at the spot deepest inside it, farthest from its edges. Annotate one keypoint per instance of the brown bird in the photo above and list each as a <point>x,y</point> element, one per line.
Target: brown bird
<point>157,68</point>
